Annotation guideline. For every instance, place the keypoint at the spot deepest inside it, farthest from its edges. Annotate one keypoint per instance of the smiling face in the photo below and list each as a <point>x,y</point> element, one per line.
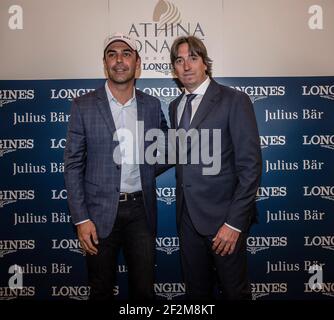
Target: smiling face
<point>189,68</point>
<point>121,62</point>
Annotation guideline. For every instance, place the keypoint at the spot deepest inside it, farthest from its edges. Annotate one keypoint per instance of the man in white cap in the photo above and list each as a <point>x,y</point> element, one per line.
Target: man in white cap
<point>113,203</point>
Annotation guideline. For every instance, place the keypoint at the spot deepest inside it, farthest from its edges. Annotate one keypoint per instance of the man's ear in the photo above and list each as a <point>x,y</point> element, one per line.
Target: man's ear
<point>138,63</point>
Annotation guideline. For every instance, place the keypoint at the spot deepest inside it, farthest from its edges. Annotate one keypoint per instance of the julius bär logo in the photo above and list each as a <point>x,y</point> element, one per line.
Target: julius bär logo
<point>10,96</point>
<point>167,244</point>
<point>261,92</point>
<point>255,244</point>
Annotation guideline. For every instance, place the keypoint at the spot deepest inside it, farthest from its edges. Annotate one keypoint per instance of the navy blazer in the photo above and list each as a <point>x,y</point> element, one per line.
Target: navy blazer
<point>229,195</point>
<point>92,177</point>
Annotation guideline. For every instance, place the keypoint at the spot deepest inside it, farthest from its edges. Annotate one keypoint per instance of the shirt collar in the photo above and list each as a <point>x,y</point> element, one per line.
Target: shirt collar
<point>201,89</point>
<point>111,98</point>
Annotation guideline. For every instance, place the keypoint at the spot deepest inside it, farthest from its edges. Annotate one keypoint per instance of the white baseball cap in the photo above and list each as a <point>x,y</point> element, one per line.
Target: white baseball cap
<point>120,37</point>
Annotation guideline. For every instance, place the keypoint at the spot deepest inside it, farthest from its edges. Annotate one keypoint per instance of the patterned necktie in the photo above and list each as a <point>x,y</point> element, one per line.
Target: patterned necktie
<point>186,115</point>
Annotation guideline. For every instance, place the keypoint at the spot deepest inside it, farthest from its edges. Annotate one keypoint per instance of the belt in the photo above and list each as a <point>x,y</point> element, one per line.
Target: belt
<point>125,196</point>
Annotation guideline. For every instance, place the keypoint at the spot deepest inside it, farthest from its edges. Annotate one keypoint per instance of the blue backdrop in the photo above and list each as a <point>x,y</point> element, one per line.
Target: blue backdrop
<point>295,201</point>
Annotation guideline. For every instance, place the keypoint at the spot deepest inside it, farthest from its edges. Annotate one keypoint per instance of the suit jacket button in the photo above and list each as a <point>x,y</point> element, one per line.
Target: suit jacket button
<point>118,167</point>
<point>117,189</point>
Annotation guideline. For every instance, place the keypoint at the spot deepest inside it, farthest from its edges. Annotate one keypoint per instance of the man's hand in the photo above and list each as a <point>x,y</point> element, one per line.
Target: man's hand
<point>87,233</point>
<point>225,240</point>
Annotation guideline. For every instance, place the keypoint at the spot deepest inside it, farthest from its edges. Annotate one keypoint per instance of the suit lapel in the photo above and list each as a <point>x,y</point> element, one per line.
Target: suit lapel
<point>104,108</point>
<point>206,105</point>
<point>174,107</point>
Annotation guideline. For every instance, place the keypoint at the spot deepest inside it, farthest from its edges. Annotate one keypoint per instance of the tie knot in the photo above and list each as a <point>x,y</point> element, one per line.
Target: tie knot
<point>190,97</point>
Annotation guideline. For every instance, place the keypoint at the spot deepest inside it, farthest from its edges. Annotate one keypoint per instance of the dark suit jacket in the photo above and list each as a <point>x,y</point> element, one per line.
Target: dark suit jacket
<point>92,177</point>
<point>229,195</point>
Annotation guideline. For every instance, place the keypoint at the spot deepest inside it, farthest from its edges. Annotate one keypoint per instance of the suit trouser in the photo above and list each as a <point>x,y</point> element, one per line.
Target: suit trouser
<point>203,268</point>
<point>131,233</point>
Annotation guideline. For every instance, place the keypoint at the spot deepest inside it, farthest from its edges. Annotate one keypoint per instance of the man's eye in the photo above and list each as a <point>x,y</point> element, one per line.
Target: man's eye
<point>178,61</point>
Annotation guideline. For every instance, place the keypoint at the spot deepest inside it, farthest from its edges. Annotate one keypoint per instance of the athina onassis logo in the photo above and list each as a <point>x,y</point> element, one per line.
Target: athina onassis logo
<point>165,12</point>
<point>155,35</point>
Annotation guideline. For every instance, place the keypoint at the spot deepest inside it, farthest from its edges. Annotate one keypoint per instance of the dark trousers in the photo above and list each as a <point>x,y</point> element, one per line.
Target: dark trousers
<point>131,233</point>
<point>203,268</point>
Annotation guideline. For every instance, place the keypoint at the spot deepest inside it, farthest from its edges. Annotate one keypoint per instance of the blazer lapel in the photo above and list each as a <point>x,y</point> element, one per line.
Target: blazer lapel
<point>206,105</point>
<point>104,108</point>
<point>174,107</point>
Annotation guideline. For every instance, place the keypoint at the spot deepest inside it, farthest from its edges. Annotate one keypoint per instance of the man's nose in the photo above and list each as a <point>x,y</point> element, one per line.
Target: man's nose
<point>119,58</point>
<point>186,65</point>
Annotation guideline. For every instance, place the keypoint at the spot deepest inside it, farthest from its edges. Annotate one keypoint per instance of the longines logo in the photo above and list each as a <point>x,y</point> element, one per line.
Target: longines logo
<point>268,141</point>
<point>154,37</point>
<point>7,293</point>
<point>72,292</point>
<point>325,242</point>
<point>9,96</point>
<point>324,141</point>
<point>264,193</point>
<point>10,196</point>
<point>261,92</point>
<point>167,244</point>
<point>11,246</point>
<point>325,91</point>
<point>166,195</point>
<point>325,288</point>
<point>264,289</point>
<point>11,145</point>
<point>165,94</point>
<point>169,290</point>
<point>58,143</point>
<point>255,244</point>
<point>75,292</point>
<point>68,94</point>
<point>72,245</point>
<point>324,192</point>
<point>59,194</point>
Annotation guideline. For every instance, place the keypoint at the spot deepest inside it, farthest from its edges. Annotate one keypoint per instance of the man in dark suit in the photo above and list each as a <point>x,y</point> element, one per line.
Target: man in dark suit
<point>111,193</point>
<point>214,210</point>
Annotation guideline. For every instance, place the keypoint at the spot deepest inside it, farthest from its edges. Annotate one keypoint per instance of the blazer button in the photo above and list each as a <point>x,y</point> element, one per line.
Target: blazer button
<point>117,189</point>
<point>118,167</point>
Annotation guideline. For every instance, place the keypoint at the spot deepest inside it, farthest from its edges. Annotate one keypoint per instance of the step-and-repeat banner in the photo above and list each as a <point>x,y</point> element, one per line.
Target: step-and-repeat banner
<point>290,250</point>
